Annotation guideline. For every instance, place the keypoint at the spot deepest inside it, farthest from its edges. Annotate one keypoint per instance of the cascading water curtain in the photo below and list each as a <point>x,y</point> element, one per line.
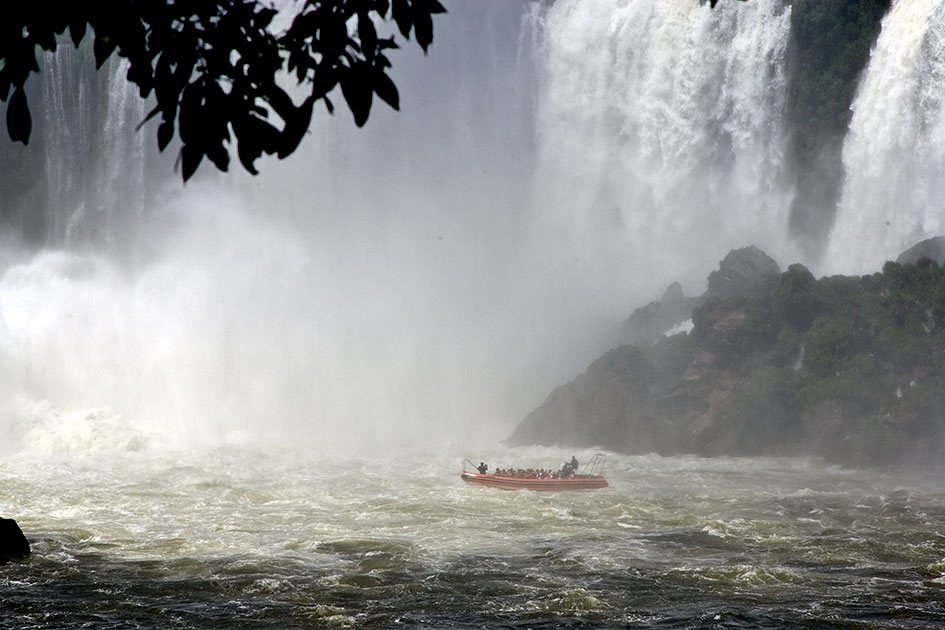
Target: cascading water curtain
<point>95,159</point>
<point>894,154</point>
<point>660,130</point>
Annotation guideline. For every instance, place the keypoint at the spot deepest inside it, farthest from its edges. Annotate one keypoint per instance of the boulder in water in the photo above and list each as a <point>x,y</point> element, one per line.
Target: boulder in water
<point>13,543</point>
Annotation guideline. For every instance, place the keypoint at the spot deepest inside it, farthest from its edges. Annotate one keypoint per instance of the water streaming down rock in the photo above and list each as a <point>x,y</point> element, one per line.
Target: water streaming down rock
<point>894,154</point>
<point>95,163</point>
<point>343,295</point>
<point>661,135</point>
<point>540,173</point>
<point>564,171</point>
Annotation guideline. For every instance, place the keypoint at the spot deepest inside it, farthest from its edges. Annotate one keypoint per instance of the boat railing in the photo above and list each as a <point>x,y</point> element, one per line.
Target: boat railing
<point>595,467</point>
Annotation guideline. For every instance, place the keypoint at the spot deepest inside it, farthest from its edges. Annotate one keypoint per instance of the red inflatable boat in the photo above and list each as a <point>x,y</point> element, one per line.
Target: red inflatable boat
<point>567,478</point>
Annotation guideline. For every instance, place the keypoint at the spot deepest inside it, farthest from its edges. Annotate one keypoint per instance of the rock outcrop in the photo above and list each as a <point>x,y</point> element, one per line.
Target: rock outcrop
<point>848,368</point>
<point>13,543</point>
<point>648,323</point>
<point>745,271</point>
<point>933,248</point>
<point>742,272</point>
<point>604,405</point>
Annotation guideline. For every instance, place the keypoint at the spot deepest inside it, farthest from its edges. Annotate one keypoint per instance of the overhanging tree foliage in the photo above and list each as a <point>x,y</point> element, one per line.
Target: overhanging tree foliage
<point>216,69</point>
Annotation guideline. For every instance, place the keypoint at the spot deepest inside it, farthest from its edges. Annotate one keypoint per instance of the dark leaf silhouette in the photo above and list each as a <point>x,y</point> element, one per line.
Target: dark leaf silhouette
<point>19,121</point>
<point>214,69</point>
<point>165,134</point>
<point>423,27</point>
<point>190,159</point>
<point>368,34</point>
<point>403,16</point>
<point>386,89</point>
<point>358,93</point>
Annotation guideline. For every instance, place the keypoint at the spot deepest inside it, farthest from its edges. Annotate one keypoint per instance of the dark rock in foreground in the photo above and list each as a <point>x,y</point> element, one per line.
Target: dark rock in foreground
<point>13,543</point>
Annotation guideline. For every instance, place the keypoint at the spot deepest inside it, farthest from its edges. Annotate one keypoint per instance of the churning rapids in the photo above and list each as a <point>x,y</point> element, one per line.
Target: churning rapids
<point>250,539</point>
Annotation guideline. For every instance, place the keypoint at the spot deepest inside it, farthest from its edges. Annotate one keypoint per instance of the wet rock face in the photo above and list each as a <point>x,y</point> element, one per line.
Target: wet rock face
<point>647,323</point>
<point>742,272</point>
<point>745,271</point>
<point>933,248</point>
<point>13,543</point>
<point>599,407</point>
<point>719,326</point>
<point>851,369</point>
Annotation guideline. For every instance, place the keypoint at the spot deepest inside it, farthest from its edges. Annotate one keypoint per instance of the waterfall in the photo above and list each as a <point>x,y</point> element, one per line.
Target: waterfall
<point>660,132</point>
<point>94,167</point>
<point>362,294</point>
<point>436,273</point>
<point>894,153</point>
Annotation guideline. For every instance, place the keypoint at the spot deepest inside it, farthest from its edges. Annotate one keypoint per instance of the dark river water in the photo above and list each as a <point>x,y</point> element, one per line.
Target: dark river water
<point>252,539</point>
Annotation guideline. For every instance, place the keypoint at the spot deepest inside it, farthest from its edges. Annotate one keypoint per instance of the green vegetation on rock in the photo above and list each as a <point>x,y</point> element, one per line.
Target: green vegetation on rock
<point>848,368</point>
<point>870,348</point>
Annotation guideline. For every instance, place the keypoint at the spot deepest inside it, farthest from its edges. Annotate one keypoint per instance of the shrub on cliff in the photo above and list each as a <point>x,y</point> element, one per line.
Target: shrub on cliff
<point>796,298</point>
<point>848,368</point>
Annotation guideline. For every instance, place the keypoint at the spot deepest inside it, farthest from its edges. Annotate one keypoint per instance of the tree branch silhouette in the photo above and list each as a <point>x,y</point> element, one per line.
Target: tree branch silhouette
<point>216,70</point>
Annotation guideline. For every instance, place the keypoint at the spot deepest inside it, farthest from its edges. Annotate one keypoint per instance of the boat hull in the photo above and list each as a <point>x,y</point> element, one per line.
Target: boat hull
<point>519,483</point>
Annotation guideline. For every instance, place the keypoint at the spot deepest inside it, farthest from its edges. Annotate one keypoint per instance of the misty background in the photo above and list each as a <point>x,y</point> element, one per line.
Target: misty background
<point>432,276</point>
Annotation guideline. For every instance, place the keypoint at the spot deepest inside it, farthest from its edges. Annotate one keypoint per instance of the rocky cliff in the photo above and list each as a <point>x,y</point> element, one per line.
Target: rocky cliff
<point>848,368</point>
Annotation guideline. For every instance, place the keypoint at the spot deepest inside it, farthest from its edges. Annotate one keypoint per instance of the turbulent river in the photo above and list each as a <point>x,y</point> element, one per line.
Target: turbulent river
<point>247,538</point>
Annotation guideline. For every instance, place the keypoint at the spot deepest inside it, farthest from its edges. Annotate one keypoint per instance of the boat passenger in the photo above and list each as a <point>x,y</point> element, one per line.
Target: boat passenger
<point>482,468</point>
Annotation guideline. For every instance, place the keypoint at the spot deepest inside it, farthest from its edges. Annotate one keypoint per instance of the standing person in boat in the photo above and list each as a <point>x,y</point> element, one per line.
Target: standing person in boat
<point>482,468</point>
<point>570,467</point>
